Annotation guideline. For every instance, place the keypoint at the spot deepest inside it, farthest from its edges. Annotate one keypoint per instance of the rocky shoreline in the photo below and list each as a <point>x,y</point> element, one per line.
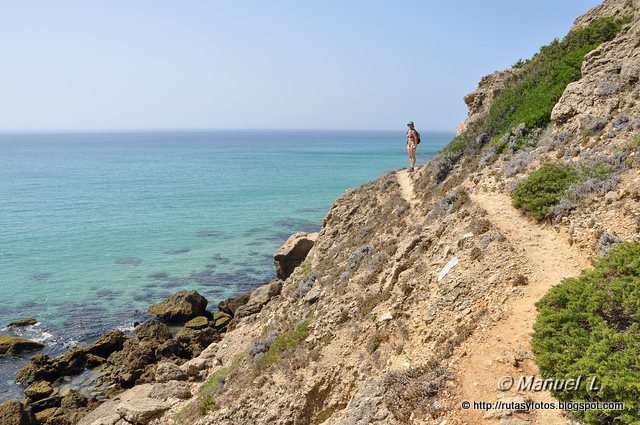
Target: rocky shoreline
<point>160,350</point>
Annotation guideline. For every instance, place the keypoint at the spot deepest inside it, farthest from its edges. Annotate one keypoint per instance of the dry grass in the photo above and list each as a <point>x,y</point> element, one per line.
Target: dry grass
<point>412,392</point>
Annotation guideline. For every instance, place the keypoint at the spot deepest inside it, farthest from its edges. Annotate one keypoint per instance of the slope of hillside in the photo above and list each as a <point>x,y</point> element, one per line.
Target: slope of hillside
<point>419,291</point>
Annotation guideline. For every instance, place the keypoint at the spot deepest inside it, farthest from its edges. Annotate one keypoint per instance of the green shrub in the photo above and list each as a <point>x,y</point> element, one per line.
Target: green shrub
<point>552,182</point>
<point>590,326</point>
<point>205,400</point>
<point>214,380</point>
<point>284,343</point>
<point>532,93</point>
<point>543,188</point>
<point>635,142</point>
<point>519,64</point>
<point>305,266</point>
<point>456,146</point>
<point>206,404</point>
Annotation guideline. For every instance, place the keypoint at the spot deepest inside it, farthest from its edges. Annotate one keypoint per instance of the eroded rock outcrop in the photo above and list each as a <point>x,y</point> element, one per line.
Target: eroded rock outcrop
<point>293,253</point>
<point>13,345</point>
<point>14,413</point>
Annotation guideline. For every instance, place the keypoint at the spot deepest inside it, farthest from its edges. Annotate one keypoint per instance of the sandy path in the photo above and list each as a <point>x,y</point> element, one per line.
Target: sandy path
<point>550,259</point>
<point>406,187</point>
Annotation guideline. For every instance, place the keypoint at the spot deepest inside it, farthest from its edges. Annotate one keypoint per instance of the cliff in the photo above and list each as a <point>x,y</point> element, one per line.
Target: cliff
<point>419,291</point>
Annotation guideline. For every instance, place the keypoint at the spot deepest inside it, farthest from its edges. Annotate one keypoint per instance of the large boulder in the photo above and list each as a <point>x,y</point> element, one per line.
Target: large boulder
<point>193,341</point>
<point>129,364</point>
<point>47,368</point>
<point>168,371</point>
<point>259,297</point>
<point>141,411</point>
<point>153,331</point>
<point>180,307</point>
<point>108,343</point>
<point>293,252</point>
<point>171,389</point>
<point>41,367</point>
<point>13,413</point>
<point>38,390</point>
<point>133,406</point>
<point>230,305</point>
<point>10,345</point>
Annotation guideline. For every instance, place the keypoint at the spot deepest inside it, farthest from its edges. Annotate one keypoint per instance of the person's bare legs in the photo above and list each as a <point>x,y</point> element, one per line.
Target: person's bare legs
<point>411,149</point>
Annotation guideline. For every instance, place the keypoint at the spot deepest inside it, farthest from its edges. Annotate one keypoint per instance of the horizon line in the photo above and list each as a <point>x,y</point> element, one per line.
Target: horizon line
<point>187,130</point>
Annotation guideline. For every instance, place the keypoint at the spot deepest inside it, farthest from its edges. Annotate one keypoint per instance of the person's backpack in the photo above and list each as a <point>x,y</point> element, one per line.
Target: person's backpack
<point>417,136</point>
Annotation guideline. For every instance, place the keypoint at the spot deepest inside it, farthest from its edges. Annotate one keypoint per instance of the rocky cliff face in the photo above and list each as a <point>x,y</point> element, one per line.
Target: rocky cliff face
<point>419,291</point>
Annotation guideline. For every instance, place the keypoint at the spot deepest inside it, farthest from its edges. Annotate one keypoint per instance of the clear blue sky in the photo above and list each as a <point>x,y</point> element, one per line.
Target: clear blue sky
<point>352,64</point>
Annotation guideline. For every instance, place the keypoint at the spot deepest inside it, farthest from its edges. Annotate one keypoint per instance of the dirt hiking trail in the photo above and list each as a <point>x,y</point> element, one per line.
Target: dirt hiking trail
<point>489,355</point>
<point>406,187</point>
<point>550,259</point>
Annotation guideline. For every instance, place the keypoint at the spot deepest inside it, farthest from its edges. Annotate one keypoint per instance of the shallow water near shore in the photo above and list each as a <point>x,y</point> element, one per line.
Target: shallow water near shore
<point>96,227</point>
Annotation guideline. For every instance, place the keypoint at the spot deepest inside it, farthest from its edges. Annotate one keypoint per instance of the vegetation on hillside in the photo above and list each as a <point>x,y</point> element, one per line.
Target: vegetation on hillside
<point>554,183</point>
<point>284,343</point>
<point>590,326</point>
<point>531,93</point>
<point>543,188</point>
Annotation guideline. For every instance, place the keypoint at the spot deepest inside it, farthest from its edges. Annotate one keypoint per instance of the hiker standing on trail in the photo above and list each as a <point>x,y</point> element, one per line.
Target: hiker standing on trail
<point>413,139</point>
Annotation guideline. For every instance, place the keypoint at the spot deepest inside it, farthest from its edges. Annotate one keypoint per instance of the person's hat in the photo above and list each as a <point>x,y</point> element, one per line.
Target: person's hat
<point>410,123</point>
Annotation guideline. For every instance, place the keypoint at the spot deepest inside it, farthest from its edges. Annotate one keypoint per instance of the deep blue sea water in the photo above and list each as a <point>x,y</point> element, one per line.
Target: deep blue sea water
<point>95,227</point>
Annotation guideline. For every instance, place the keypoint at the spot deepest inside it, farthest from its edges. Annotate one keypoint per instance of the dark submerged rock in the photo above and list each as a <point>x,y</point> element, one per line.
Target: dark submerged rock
<point>23,322</point>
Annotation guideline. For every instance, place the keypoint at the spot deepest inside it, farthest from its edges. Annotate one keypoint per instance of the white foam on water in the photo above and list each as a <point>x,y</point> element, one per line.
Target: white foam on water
<point>70,344</point>
<point>43,337</point>
<point>127,328</point>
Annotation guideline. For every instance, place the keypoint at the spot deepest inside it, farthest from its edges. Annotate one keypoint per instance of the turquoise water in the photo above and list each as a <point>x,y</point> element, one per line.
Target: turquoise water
<point>95,227</point>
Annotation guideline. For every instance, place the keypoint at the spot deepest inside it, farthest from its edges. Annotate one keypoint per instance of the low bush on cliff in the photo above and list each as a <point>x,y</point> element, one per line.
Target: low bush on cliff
<point>590,326</point>
<point>205,400</point>
<point>218,377</point>
<point>284,343</point>
<point>533,92</point>
<point>634,145</point>
<point>529,95</point>
<point>543,188</point>
<point>547,191</point>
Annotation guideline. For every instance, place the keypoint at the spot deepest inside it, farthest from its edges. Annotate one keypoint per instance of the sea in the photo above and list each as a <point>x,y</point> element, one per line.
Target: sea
<point>95,227</point>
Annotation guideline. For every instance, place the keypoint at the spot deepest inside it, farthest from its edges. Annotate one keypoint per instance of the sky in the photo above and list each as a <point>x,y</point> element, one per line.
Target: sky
<point>189,64</point>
